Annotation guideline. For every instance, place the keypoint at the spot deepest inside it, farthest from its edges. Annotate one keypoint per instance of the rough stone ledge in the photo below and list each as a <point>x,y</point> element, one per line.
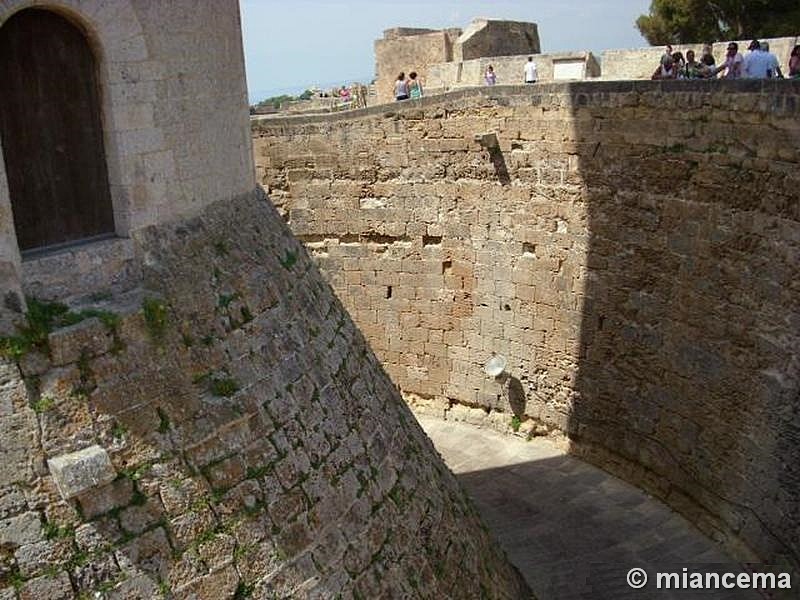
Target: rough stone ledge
<point>766,88</point>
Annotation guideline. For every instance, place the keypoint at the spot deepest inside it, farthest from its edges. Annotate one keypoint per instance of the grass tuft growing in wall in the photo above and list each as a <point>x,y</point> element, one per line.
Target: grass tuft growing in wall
<point>155,316</point>
<point>224,386</point>
<point>44,317</point>
<point>289,260</point>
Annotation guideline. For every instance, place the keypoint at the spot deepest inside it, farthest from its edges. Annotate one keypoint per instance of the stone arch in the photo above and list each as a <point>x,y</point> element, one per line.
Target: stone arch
<point>51,126</point>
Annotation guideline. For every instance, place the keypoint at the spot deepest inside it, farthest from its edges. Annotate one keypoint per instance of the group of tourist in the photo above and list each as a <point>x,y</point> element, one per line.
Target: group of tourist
<point>410,88</point>
<point>759,63</point>
<point>530,73</point>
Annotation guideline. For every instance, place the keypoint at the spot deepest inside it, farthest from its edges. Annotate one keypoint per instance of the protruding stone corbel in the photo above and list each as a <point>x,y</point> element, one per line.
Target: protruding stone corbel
<point>81,471</point>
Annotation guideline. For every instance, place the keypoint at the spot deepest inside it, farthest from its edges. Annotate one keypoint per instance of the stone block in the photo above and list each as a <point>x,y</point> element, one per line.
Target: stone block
<point>34,559</point>
<point>20,530</point>
<point>147,554</point>
<point>100,571</point>
<point>102,499</point>
<point>135,588</point>
<point>52,587</point>
<point>80,471</point>
<point>90,337</point>
<point>135,519</point>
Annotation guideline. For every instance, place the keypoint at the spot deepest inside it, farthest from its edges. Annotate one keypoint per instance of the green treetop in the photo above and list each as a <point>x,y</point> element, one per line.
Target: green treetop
<point>684,21</point>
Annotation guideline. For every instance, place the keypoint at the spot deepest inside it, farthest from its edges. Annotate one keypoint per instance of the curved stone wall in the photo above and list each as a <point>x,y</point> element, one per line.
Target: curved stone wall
<point>223,432</point>
<point>630,247</point>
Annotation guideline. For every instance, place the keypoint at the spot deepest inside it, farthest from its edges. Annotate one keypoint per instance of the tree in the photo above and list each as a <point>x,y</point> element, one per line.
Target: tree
<point>687,21</point>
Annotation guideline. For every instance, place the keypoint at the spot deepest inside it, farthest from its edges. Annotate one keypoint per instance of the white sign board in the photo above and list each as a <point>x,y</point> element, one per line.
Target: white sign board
<point>568,69</point>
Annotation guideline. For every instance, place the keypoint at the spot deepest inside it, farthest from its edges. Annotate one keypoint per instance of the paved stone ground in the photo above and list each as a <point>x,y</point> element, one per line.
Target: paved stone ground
<point>572,529</point>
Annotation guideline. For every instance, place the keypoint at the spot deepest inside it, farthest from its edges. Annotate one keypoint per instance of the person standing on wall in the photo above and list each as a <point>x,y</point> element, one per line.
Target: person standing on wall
<point>754,65</point>
<point>773,66</point>
<point>733,65</point>
<point>794,63</point>
<point>414,86</point>
<point>400,87</point>
<point>489,77</point>
<point>531,75</point>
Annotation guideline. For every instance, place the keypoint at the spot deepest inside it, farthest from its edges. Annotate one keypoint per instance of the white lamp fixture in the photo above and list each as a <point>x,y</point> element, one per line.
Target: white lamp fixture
<point>495,366</point>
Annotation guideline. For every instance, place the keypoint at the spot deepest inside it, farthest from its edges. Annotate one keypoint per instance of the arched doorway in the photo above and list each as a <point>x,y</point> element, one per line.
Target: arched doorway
<point>52,132</point>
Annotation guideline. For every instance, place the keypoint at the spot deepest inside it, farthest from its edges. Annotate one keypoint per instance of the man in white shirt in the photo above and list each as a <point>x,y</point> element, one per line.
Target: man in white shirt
<point>773,68</point>
<point>531,75</point>
<point>755,63</point>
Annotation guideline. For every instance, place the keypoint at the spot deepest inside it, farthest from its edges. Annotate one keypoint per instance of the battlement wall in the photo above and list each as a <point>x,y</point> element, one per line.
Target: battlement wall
<point>629,247</point>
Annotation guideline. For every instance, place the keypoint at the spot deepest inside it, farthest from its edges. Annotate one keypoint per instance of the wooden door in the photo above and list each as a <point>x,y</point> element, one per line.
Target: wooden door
<point>51,131</point>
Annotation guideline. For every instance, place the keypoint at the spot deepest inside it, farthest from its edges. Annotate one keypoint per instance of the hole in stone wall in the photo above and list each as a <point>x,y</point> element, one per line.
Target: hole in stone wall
<point>506,307</point>
<point>377,238</point>
<point>388,291</point>
<point>529,249</point>
<point>447,265</point>
<point>431,240</point>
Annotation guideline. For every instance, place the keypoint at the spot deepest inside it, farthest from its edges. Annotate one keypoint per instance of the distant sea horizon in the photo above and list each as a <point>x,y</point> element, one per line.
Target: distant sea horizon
<point>257,95</point>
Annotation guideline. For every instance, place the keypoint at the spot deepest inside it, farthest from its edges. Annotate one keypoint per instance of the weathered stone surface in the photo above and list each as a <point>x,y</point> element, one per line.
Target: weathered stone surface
<point>80,471</point>
<point>56,587</point>
<point>136,588</point>
<point>639,284</point>
<point>35,558</point>
<point>20,530</point>
<point>88,338</point>
<point>18,428</point>
<point>104,498</point>
<point>148,554</point>
<point>136,519</point>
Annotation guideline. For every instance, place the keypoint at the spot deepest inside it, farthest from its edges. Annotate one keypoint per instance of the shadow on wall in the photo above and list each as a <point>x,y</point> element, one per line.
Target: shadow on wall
<point>687,382</point>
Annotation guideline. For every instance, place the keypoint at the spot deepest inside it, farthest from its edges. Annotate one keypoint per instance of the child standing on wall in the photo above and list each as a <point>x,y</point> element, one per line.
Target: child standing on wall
<point>401,87</point>
<point>414,86</point>
<point>489,77</point>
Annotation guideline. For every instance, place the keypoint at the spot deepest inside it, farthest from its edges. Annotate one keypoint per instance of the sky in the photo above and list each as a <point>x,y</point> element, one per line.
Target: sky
<point>292,45</point>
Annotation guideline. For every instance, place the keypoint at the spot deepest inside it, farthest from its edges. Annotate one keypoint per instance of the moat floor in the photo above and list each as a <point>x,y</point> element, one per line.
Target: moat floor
<point>573,530</point>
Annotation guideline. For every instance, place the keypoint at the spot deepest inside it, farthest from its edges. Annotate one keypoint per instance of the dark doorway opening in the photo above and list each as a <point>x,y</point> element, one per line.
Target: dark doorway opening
<point>51,131</point>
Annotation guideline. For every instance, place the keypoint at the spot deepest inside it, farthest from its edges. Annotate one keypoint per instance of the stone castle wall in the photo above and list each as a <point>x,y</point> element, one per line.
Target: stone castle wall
<point>225,432</point>
<point>631,248</point>
<point>510,70</point>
